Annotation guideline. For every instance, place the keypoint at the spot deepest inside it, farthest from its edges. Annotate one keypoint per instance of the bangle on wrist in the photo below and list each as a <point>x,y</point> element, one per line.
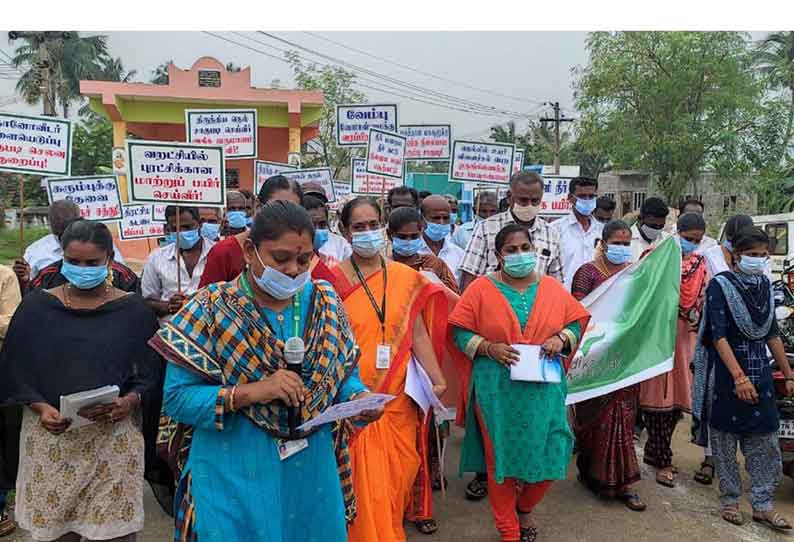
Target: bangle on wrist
<point>741,380</point>
<point>488,350</point>
<point>231,398</point>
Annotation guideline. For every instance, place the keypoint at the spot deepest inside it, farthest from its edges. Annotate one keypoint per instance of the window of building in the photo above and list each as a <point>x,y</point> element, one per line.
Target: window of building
<point>233,178</point>
<point>728,204</point>
<point>778,238</point>
<point>639,199</point>
<point>609,195</point>
<point>209,78</point>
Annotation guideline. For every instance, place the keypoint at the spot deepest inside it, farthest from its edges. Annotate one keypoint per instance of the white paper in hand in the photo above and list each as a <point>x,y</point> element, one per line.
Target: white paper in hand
<point>533,366</point>
<point>348,409</point>
<point>419,387</point>
<point>71,404</point>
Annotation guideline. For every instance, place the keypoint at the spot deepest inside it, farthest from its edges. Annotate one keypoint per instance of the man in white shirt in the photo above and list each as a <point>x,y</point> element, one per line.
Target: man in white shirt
<point>159,282</point>
<point>47,250</point>
<point>647,232</point>
<point>485,206</point>
<point>438,233</point>
<point>331,248</point>
<point>579,232</point>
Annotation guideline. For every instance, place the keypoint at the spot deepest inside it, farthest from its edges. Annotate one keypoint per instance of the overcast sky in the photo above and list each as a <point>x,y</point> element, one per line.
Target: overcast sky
<point>521,69</point>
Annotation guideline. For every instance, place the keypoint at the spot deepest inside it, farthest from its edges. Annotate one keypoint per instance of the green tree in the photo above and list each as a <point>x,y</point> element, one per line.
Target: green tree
<point>774,57</point>
<point>160,73</point>
<point>670,103</point>
<point>71,59</point>
<point>232,67</point>
<point>92,146</point>
<point>337,86</point>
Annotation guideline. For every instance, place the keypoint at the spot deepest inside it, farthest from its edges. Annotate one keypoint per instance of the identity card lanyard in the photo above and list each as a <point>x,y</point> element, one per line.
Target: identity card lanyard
<point>383,357</point>
<point>296,304</point>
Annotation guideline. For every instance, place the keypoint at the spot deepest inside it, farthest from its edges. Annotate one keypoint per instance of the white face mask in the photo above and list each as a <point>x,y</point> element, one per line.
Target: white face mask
<point>277,284</point>
<point>650,233</point>
<point>525,213</point>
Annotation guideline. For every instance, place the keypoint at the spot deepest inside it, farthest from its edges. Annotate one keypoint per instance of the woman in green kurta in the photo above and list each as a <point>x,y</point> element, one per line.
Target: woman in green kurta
<point>516,430</point>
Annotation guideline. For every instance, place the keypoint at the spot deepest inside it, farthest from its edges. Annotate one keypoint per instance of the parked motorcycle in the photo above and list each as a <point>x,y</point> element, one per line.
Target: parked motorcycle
<point>784,314</point>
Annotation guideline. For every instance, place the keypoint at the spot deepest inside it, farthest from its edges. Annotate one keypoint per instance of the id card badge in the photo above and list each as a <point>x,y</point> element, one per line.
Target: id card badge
<point>383,357</point>
<point>288,448</point>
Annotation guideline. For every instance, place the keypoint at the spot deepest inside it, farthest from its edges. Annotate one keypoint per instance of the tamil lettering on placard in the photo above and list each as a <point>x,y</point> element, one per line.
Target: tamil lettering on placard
<point>320,176</point>
<point>481,162</point>
<point>353,122</point>
<point>427,142</point>
<point>97,196</point>
<point>342,189</point>
<point>159,212</point>
<point>263,170</point>
<point>555,195</point>
<point>35,145</point>
<point>386,154</point>
<point>234,129</point>
<point>366,183</point>
<point>176,173</point>
<point>518,161</point>
<point>139,223</point>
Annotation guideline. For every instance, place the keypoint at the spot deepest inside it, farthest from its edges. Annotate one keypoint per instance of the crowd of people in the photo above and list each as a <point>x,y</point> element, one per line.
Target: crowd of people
<point>207,404</point>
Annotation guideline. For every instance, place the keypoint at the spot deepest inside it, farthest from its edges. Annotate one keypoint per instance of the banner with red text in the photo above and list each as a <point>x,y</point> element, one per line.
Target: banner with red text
<point>364,183</point>
<point>426,141</point>
<point>97,196</point>
<point>473,161</point>
<point>353,122</point>
<point>35,145</point>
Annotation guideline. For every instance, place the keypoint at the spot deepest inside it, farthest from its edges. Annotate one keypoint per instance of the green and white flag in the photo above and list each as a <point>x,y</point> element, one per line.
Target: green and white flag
<point>631,335</point>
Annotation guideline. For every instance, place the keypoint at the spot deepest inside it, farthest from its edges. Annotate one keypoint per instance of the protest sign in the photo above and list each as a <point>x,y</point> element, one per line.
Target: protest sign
<point>320,176</point>
<point>364,183</point>
<point>638,302</point>
<point>353,122</point>
<point>427,142</point>
<point>159,212</point>
<point>385,154</point>
<point>176,173</point>
<point>35,145</point>
<point>341,189</point>
<point>234,129</point>
<point>97,196</point>
<point>139,223</point>
<point>518,161</point>
<point>490,163</point>
<point>263,170</point>
<point>555,196</point>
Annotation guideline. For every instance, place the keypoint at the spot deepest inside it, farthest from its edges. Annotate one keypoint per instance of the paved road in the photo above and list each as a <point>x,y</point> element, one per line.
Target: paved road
<point>571,514</point>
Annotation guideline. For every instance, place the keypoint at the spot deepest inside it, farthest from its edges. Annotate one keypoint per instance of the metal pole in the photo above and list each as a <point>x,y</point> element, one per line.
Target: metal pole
<point>556,138</point>
<point>22,217</point>
<point>178,266</point>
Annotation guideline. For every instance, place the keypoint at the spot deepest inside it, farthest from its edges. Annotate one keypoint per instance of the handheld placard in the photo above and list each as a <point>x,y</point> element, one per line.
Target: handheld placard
<point>294,350</point>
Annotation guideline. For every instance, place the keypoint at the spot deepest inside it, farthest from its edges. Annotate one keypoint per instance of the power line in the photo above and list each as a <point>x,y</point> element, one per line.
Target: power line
<point>441,95</point>
<point>428,74</point>
<point>389,90</point>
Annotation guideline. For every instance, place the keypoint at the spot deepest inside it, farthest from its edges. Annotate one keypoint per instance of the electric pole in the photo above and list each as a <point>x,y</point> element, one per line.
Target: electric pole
<point>557,120</point>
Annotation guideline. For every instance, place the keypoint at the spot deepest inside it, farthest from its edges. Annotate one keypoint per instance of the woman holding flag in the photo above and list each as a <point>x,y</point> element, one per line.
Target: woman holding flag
<point>604,426</point>
<point>395,313</point>
<point>516,430</point>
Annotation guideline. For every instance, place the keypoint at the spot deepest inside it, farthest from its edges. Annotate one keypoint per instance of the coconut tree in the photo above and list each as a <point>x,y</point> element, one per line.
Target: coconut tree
<point>774,56</point>
<point>160,73</point>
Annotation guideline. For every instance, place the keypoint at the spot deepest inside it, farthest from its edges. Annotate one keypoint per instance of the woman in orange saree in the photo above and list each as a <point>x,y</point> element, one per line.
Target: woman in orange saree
<point>393,312</point>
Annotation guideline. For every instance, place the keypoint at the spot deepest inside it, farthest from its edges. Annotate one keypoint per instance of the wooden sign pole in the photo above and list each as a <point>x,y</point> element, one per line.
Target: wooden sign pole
<point>178,266</point>
<point>21,216</point>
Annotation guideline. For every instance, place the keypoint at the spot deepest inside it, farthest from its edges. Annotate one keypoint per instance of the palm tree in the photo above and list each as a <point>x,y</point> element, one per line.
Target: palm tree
<point>160,73</point>
<point>113,70</point>
<point>774,57</point>
<point>232,67</point>
<point>71,58</point>
<point>504,133</point>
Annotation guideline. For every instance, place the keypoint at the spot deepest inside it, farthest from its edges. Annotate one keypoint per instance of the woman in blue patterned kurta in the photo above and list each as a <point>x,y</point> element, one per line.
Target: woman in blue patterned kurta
<point>227,382</point>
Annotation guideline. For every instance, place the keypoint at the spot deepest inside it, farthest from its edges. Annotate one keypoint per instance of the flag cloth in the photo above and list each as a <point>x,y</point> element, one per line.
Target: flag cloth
<point>631,335</point>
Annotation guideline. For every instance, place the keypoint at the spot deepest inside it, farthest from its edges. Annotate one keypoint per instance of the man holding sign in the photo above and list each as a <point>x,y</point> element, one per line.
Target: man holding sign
<point>159,285</point>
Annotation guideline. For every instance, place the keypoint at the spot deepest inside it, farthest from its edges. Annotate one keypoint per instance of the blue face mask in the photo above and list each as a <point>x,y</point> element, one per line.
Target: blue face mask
<point>437,232</point>
<point>84,278</point>
<point>585,207</point>
<point>728,246</point>
<point>249,221</point>
<point>188,239</point>
<point>277,284</point>
<point>170,239</point>
<point>320,238</point>
<point>237,219</point>
<point>453,218</point>
<point>618,254</point>
<point>210,231</point>
<point>406,247</point>
<point>368,243</point>
<point>687,246</point>
<point>751,265</point>
<point>520,265</point>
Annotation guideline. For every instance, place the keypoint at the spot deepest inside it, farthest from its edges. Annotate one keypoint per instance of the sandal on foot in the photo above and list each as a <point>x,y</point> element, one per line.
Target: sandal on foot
<point>703,477</point>
<point>633,502</point>
<point>732,514</point>
<point>477,490</point>
<point>529,534</point>
<point>426,526</point>
<point>666,477</point>
<point>773,520</point>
